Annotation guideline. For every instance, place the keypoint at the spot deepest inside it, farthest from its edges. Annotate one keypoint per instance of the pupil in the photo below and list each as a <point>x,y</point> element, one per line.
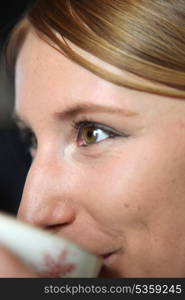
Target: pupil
<point>90,133</point>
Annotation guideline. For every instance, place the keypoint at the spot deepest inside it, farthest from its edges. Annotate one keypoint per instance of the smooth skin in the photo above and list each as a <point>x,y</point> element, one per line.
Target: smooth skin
<point>116,185</point>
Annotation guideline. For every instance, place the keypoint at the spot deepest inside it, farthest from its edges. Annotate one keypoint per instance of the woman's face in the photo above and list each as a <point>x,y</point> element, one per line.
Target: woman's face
<point>108,169</point>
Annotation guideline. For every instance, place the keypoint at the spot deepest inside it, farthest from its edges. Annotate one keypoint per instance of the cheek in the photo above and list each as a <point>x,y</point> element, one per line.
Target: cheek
<point>143,183</point>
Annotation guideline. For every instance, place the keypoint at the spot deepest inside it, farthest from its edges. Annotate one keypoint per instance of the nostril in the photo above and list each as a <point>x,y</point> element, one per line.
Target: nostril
<point>47,213</point>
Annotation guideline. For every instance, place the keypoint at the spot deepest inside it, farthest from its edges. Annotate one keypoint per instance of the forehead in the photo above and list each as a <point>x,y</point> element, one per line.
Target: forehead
<point>38,57</point>
<point>41,68</point>
<point>46,78</point>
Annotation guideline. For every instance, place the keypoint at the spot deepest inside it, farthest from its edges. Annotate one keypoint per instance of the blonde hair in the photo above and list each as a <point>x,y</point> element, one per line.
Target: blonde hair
<point>144,38</point>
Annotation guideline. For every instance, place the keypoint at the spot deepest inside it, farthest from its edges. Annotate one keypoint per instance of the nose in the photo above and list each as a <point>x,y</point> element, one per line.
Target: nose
<point>47,200</point>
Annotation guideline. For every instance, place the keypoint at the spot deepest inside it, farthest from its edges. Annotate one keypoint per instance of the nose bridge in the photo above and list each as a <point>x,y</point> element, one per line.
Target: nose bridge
<point>46,199</point>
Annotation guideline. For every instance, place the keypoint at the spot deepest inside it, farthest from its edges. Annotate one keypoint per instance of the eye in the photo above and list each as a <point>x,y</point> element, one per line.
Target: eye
<point>29,139</point>
<point>89,133</point>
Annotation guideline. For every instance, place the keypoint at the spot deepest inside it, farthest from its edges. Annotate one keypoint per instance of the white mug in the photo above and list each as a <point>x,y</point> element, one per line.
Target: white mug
<point>49,255</point>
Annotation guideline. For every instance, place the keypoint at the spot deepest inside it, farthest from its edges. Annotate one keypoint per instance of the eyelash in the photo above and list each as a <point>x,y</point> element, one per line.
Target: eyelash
<point>29,138</point>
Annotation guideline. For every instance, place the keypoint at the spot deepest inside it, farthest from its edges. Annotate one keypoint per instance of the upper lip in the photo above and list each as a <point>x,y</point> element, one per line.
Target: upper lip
<point>104,255</point>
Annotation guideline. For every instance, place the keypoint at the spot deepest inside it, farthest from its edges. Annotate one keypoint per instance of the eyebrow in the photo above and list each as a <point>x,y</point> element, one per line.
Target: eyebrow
<point>88,108</point>
<point>73,111</point>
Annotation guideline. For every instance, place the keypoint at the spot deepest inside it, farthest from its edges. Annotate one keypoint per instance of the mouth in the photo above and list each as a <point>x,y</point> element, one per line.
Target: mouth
<point>106,257</point>
<point>108,268</point>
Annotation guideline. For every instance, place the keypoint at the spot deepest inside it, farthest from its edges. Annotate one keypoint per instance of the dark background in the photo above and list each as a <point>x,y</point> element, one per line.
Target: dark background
<point>14,157</point>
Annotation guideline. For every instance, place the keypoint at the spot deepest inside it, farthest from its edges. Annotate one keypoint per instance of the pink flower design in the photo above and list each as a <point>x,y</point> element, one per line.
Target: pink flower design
<point>57,267</point>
